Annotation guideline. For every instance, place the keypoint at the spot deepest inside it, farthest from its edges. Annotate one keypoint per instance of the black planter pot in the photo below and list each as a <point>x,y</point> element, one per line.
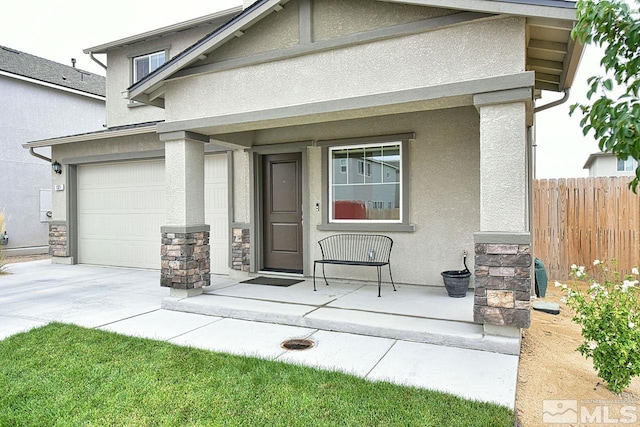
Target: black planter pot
<point>456,282</point>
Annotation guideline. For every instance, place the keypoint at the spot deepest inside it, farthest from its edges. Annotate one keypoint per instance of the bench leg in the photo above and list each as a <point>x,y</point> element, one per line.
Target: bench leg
<point>323,275</point>
<point>391,277</point>
<point>379,280</point>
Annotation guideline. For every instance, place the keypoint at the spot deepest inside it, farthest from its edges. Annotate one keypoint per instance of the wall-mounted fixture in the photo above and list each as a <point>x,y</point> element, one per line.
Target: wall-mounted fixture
<point>4,239</point>
<point>57,167</point>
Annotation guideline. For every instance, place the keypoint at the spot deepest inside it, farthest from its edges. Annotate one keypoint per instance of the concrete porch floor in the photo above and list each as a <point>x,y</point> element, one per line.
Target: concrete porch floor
<point>413,313</point>
<point>128,301</point>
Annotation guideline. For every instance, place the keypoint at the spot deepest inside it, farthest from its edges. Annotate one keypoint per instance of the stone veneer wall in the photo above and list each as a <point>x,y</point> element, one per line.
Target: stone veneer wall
<point>240,249</point>
<point>502,284</point>
<point>185,260</point>
<point>58,244</point>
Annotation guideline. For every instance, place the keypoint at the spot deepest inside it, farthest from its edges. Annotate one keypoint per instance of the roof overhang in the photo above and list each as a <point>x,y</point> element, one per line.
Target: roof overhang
<point>129,130</point>
<point>550,50</point>
<point>215,19</point>
<point>592,158</point>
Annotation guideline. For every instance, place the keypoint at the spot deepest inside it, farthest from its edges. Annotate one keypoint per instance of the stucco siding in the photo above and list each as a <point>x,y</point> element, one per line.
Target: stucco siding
<point>335,18</point>
<point>462,53</point>
<point>607,166</point>
<point>503,168</point>
<point>119,75</point>
<point>31,112</point>
<point>278,31</point>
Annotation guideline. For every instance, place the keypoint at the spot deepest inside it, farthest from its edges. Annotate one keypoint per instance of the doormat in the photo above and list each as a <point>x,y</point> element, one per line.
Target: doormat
<point>272,281</point>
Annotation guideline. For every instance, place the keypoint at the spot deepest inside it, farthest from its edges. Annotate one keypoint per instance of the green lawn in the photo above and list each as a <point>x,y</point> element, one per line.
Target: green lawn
<point>66,375</point>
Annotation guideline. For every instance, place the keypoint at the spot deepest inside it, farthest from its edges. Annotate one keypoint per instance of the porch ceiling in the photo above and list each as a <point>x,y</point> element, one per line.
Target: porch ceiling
<point>552,53</point>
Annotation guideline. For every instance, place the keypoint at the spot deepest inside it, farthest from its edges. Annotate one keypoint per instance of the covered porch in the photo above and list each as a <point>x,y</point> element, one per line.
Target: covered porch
<point>422,314</point>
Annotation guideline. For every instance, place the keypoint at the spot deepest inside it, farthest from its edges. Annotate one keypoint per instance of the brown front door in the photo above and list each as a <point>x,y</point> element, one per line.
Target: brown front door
<point>282,212</point>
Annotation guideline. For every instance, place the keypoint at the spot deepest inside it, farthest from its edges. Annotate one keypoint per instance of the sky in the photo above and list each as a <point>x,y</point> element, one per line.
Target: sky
<point>60,29</point>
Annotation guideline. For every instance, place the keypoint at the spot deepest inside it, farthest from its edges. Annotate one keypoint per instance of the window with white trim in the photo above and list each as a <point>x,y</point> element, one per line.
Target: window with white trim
<point>371,189</point>
<point>626,165</point>
<point>146,64</point>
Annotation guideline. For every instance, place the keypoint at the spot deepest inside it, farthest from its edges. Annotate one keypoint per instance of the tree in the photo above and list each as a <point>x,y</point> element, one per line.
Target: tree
<point>613,107</point>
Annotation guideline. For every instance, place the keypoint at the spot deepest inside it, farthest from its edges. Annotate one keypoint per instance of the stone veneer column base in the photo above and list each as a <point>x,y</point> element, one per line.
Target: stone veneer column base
<point>185,253</point>
<point>502,279</point>
<point>58,243</point>
<point>241,248</point>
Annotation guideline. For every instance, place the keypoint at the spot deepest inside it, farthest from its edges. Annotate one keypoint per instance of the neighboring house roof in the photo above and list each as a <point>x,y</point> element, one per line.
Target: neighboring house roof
<point>112,132</point>
<point>551,52</point>
<point>592,158</point>
<point>215,19</point>
<point>53,73</point>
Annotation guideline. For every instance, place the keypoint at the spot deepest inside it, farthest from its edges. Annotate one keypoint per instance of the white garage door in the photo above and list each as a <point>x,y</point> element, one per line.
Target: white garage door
<point>121,207</point>
<point>216,211</point>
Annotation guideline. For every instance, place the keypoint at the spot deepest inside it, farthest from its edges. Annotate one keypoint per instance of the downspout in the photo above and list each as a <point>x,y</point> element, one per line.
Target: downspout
<point>534,145</point>
<point>97,61</point>
<point>40,156</point>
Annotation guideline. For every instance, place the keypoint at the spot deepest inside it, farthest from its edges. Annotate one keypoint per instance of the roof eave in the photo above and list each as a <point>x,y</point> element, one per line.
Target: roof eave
<point>555,9</point>
<point>103,48</point>
<point>91,136</point>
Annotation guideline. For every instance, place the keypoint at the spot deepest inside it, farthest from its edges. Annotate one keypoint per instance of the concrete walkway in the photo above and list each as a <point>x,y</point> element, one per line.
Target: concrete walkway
<point>128,301</point>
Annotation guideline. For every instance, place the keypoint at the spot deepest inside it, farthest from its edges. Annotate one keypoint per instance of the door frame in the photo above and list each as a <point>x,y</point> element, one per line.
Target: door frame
<point>256,205</point>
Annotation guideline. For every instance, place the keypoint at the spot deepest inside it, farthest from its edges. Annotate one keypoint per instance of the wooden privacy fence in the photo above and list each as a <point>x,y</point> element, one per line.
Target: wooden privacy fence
<point>578,220</point>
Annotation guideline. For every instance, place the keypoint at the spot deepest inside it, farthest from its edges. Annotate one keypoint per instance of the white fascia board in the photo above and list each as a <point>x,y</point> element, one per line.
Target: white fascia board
<point>90,137</point>
<point>499,7</point>
<point>52,85</point>
<point>228,33</point>
<point>158,32</point>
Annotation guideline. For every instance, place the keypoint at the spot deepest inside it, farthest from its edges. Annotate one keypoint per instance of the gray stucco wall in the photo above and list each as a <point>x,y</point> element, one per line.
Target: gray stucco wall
<point>119,110</point>
<point>466,52</point>
<point>31,112</point>
<point>335,18</point>
<point>279,31</point>
<point>607,166</point>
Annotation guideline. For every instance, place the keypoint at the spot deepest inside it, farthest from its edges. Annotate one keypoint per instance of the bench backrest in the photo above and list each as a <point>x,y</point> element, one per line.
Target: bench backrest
<point>356,247</point>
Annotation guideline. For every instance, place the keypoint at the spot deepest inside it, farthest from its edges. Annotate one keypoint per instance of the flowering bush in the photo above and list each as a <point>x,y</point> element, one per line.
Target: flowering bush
<point>609,315</point>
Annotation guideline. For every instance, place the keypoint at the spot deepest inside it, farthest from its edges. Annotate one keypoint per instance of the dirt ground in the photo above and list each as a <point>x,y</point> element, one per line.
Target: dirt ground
<point>24,258</point>
<point>551,369</point>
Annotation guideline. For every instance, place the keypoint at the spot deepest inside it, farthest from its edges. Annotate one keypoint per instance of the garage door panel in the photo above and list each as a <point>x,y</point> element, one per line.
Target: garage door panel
<point>120,212</point>
<point>121,208</point>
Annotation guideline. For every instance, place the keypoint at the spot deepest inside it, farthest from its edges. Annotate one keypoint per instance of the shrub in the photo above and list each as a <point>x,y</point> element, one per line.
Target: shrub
<point>608,315</point>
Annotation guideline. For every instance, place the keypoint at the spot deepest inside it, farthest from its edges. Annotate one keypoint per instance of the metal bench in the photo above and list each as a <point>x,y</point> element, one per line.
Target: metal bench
<point>369,250</point>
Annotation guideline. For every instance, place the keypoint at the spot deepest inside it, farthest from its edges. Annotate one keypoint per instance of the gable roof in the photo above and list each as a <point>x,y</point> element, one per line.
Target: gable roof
<point>554,59</point>
<point>43,70</point>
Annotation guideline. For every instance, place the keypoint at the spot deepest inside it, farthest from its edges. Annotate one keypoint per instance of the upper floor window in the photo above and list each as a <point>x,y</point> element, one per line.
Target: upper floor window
<point>146,64</point>
<point>626,165</point>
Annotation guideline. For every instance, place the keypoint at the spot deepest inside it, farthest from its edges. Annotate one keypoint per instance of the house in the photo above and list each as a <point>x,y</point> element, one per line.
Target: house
<point>607,164</point>
<point>238,139</point>
<point>40,99</point>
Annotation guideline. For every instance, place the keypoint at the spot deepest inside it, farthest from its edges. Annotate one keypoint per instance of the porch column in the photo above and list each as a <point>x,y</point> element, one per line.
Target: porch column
<point>185,238</point>
<point>503,245</point>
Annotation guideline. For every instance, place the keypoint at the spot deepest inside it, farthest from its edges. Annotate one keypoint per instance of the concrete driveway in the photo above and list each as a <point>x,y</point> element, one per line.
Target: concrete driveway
<point>128,301</point>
